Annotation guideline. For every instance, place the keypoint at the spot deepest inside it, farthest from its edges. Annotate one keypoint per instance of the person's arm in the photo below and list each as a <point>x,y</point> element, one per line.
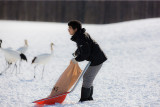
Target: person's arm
<point>76,53</point>
<point>84,52</point>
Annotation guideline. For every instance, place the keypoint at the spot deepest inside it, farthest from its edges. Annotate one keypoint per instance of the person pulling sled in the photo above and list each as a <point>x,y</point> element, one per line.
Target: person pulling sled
<point>87,49</point>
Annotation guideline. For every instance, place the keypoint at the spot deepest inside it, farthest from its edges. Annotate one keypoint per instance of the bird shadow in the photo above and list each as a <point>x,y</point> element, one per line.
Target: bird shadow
<point>31,80</point>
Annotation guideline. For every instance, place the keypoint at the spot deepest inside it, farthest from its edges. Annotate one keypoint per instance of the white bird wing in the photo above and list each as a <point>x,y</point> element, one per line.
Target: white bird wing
<point>43,58</point>
<point>11,55</point>
<point>22,49</point>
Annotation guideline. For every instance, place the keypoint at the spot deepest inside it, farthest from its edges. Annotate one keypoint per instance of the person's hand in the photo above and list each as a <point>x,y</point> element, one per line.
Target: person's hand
<point>74,54</point>
<point>74,61</point>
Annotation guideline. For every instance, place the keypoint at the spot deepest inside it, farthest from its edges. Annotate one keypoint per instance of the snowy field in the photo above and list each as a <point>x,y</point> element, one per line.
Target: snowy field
<point>130,77</point>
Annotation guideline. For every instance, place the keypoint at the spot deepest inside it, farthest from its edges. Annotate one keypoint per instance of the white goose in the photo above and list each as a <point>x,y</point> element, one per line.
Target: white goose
<point>24,48</point>
<point>11,56</point>
<point>42,59</point>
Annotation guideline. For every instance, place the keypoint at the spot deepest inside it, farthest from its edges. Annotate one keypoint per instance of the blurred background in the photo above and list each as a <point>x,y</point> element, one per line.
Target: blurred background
<point>87,11</point>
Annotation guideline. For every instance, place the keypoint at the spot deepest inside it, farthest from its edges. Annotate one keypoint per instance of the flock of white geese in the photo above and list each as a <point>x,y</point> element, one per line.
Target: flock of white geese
<point>12,57</point>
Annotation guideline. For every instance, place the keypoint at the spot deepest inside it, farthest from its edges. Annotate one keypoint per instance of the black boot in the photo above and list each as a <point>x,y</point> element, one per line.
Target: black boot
<point>85,93</point>
<point>90,97</point>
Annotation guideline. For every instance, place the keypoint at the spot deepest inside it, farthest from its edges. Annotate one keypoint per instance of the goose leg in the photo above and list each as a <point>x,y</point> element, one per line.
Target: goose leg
<point>43,71</point>
<point>7,63</point>
<point>19,66</point>
<point>16,68</point>
<point>5,69</point>
<point>34,71</point>
<point>13,68</point>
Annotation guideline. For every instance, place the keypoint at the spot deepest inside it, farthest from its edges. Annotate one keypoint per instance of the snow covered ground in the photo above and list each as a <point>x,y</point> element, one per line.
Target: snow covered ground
<point>130,77</point>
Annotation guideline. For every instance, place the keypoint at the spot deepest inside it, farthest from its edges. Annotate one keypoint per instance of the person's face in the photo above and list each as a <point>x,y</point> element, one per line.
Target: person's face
<point>71,30</point>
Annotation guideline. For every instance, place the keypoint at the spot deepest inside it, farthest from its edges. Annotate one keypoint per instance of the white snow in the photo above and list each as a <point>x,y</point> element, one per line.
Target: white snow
<point>129,78</point>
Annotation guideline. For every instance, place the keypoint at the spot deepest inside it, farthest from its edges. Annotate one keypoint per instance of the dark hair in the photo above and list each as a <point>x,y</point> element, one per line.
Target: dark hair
<point>75,24</point>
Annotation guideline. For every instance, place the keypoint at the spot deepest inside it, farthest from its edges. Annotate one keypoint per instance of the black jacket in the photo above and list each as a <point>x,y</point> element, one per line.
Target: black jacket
<point>87,48</point>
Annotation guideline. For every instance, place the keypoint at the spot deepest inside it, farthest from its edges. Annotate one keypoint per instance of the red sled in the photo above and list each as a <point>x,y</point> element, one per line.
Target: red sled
<point>58,98</point>
<point>51,100</point>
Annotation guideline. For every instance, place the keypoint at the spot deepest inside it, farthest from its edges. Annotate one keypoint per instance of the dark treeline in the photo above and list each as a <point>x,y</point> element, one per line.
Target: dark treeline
<point>86,11</point>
